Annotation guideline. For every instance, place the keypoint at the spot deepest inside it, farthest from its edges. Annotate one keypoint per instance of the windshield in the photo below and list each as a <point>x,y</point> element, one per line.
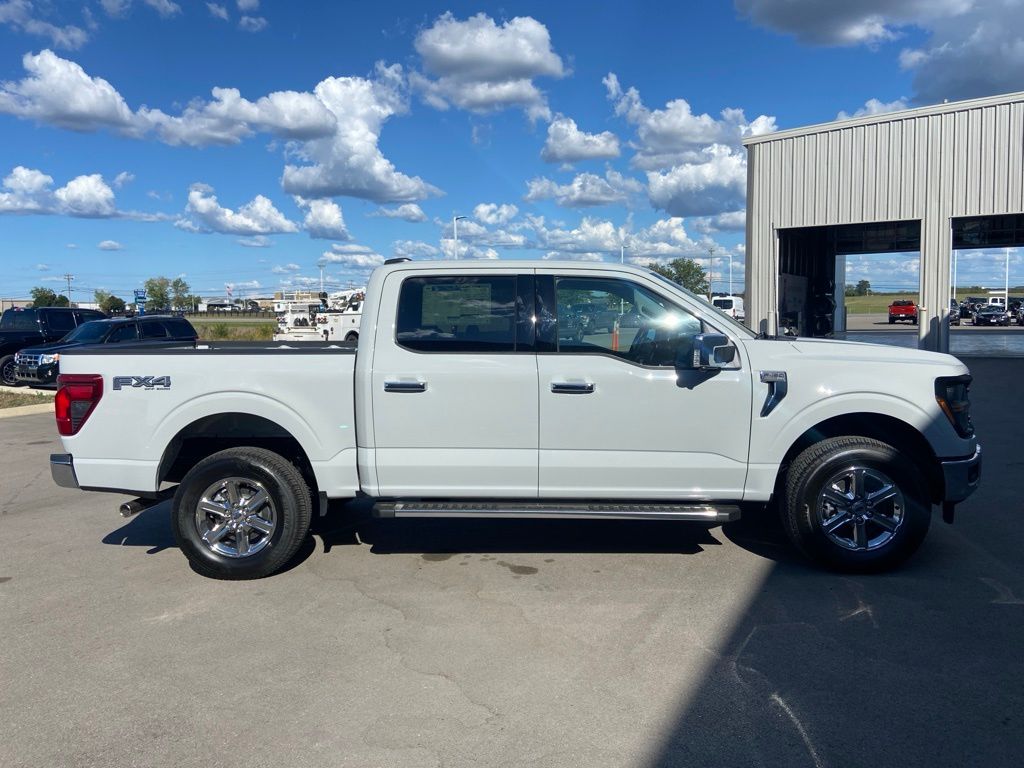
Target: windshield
<point>19,320</point>
<point>735,324</point>
<point>723,303</point>
<point>94,330</point>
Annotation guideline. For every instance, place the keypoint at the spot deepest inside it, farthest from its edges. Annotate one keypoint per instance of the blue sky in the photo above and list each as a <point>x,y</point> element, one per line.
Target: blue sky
<point>245,142</point>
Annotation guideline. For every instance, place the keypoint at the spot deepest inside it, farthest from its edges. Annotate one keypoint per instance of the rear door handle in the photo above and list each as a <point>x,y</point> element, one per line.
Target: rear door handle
<point>405,386</point>
<point>572,387</point>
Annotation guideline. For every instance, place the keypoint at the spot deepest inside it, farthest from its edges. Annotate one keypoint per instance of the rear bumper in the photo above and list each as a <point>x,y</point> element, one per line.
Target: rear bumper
<point>962,477</point>
<point>62,469</point>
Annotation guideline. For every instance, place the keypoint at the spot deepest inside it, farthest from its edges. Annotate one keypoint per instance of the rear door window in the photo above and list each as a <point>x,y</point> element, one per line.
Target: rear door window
<point>180,329</point>
<point>59,322</point>
<point>125,332</point>
<point>458,314</point>
<point>153,329</point>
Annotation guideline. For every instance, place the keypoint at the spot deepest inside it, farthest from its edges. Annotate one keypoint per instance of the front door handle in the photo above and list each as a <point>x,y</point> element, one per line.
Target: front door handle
<point>405,386</point>
<point>572,387</point>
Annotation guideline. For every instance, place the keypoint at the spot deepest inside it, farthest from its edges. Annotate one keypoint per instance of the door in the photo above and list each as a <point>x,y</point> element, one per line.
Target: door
<point>617,419</point>
<point>454,385</point>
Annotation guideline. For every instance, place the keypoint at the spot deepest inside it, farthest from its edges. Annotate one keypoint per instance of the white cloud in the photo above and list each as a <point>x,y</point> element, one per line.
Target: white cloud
<point>853,22</point>
<point>408,212</point>
<point>43,267</point>
<point>481,67</point>
<point>674,135</point>
<point>731,221</point>
<point>124,177</point>
<point>699,189</point>
<point>109,245</point>
<point>20,15</point>
<point>494,214</point>
<point>586,189</point>
<point>257,217</point>
<point>245,6</point>
<point>566,143</point>
<point>349,248</point>
<point>219,11</point>
<point>86,196</point>
<point>59,92</point>
<point>466,250</point>
<point>415,248</point>
<point>286,269</point>
<point>324,219</point>
<point>360,261</point>
<point>252,23</point>
<point>116,8</point>
<point>165,8</point>
<point>339,124</point>
<point>256,241</point>
<point>874,107</point>
<point>349,162</point>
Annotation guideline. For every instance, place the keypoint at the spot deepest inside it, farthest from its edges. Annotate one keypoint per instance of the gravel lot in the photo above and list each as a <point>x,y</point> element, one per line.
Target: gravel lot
<point>499,643</point>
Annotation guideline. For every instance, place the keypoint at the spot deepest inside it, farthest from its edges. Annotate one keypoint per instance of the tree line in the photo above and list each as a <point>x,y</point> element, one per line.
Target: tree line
<point>162,293</point>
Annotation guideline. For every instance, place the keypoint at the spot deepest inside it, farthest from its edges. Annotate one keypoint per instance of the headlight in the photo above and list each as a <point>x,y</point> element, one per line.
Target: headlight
<point>48,359</point>
<point>951,393</point>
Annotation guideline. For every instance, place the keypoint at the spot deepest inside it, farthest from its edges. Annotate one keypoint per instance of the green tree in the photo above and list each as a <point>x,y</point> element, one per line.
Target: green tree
<point>686,272</point>
<point>45,297</point>
<point>158,293</point>
<point>108,302</point>
<point>850,290</point>
<point>863,288</point>
<point>179,293</point>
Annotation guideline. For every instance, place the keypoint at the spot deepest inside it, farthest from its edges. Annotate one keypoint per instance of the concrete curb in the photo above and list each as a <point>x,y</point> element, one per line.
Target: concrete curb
<point>29,391</point>
<point>25,410</point>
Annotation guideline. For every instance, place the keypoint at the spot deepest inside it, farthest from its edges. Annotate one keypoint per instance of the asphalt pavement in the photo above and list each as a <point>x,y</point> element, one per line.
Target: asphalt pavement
<point>505,643</point>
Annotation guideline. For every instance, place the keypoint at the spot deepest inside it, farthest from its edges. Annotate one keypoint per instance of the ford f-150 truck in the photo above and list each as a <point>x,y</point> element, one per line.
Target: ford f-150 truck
<point>903,309</point>
<point>466,398</point>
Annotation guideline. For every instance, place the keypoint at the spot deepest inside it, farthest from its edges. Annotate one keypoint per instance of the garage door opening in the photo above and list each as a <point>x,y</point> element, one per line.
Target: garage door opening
<point>814,273</point>
<point>986,274</point>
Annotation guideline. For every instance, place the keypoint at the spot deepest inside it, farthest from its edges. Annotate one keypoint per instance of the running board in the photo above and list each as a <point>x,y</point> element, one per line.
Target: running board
<point>703,513</point>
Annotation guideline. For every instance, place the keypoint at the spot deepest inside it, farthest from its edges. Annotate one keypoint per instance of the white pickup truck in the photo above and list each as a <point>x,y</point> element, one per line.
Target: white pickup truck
<point>481,389</point>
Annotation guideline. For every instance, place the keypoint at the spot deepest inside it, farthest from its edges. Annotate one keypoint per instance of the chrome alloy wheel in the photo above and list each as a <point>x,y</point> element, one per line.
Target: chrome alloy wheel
<point>860,508</point>
<point>236,517</point>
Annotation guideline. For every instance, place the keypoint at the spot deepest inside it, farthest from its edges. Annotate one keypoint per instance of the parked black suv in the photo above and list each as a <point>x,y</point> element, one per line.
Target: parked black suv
<point>40,364</point>
<point>21,328</point>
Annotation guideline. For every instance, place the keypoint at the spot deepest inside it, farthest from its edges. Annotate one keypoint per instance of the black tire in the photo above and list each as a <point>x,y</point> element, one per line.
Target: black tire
<point>802,513</point>
<point>7,375</point>
<point>292,511</point>
<point>352,336</point>
<point>891,321</point>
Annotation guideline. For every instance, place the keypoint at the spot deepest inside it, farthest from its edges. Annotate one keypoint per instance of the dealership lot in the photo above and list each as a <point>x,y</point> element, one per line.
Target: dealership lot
<point>423,643</point>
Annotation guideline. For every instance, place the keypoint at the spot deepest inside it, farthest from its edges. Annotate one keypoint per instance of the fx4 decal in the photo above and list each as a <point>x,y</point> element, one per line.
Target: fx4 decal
<point>142,382</point>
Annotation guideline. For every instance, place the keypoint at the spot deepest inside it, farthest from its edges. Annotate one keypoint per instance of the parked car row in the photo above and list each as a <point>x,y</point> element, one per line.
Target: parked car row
<point>32,340</point>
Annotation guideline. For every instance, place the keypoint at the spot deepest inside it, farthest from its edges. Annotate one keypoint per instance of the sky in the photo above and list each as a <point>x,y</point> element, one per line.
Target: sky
<point>249,143</point>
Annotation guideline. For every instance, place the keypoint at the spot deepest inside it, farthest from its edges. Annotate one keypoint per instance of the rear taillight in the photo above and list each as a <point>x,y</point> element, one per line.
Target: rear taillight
<point>952,393</point>
<point>78,394</point>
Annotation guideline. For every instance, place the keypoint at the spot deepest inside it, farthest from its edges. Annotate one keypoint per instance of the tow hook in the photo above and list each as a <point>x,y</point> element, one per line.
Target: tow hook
<point>948,510</point>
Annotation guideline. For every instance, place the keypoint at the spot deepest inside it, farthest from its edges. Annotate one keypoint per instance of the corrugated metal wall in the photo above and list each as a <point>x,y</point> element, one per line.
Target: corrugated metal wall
<point>931,164</point>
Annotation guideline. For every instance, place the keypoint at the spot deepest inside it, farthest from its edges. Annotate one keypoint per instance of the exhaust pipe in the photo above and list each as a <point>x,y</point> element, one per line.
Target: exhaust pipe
<point>135,506</point>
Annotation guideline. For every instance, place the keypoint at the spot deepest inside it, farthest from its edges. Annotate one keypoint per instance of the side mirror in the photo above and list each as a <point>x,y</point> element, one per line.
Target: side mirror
<point>710,351</point>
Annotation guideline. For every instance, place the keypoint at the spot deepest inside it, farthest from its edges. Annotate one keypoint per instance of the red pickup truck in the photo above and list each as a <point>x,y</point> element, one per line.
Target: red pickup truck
<point>903,310</point>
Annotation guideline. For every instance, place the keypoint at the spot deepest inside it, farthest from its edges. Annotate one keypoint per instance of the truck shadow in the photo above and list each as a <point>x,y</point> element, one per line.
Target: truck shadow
<point>352,524</point>
<point>150,528</point>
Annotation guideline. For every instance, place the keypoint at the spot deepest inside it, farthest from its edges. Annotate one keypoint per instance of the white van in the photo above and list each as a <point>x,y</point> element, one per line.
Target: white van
<point>1000,300</point>
<point>731,305</point>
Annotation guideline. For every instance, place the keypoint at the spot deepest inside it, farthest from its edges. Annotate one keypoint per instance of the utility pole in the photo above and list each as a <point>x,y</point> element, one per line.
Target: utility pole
<point>711,271</point>
<point>69,277</point>
<point>455,228</point>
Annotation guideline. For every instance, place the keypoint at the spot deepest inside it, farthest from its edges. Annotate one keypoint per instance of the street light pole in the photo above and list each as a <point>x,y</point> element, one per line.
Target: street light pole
<point>730,275</point>
<point>622,253</point>
<point>455,228</point>
<point>1006,282</point>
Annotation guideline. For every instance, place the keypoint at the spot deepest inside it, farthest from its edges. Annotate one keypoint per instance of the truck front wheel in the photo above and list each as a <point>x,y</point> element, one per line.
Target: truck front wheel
<point>241,513</point>
<point>855,504</point>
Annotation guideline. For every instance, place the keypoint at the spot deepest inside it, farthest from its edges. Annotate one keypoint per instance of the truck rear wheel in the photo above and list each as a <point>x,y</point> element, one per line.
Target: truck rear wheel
<point>855,504</point>
<point>241,513</point>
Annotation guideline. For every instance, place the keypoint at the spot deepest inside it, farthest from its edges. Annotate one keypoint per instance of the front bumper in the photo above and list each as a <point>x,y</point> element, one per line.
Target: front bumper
<point>62,469</point>
<point>38,374</point>
<point>962,477</point>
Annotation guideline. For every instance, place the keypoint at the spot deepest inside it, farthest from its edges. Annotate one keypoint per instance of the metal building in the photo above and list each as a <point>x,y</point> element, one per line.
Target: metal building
<point>928,180</point>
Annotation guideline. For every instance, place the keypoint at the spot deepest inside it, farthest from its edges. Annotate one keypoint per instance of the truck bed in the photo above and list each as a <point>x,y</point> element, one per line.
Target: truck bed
<point>154,398</point>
